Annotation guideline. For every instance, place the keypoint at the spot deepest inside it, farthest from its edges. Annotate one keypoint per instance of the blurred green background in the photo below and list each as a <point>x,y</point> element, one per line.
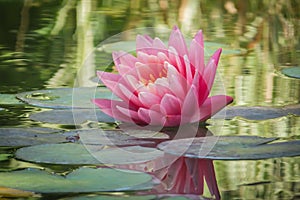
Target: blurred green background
<point>44,43</point>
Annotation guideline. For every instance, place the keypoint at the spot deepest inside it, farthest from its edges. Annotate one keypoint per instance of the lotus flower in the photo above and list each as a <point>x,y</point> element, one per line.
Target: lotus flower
<point>163,86</point>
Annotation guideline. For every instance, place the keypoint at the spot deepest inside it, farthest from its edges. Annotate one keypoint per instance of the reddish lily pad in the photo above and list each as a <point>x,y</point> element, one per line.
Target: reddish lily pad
<point>135,197</point>
<point>78,154</point>
<point>231,148</point>
<point>64,98</point>
<point>14,137</point>
<point>67,116</point>
<point>79,181</point>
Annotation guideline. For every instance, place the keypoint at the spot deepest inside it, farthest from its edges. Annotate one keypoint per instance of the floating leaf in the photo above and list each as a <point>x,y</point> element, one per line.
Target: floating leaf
<point>71,117</point>
<point>293,109</point>
<point>78,181</point>
<point>65,98</point>
<point>130,46</point>
<point>293,72</point>
<point>107,137</point>
<point>231,148</point>
<point>252,113</point>
<point>13,137</point>
<point>78,154</point>
<point>9,99</point>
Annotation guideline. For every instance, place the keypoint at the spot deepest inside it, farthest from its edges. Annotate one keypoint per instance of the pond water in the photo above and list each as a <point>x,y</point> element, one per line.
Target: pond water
<point>45,44</point>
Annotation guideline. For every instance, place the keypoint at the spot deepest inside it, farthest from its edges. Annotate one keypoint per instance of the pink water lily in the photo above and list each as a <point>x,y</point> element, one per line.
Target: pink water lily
<point>166,86</point>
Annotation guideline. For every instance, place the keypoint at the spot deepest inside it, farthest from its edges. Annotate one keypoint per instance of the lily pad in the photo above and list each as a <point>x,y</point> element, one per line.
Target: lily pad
<point>9,99</point>
<point>107,137</point>
<point>78,154</point>
<point>130,46</point>
<point>79,181</point>
<point>293,72</point>
<point>65,98</point>
<point>71,117</point>
<point>15,137</point>
<point>251,113</point>
<point>231,148</point>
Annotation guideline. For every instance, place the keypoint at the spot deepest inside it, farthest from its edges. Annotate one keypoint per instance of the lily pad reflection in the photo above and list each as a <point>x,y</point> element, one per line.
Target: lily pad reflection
<point>231,148</point>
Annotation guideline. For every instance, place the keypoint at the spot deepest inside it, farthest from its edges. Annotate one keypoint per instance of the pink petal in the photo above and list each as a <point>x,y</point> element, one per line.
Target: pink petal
<point>175,60</point>
<point>144,44</point>
<point>130,96</point>
<point>196,53</point>
<point>211,68</point>
<point>131,114</point>
<point>148,99</point>
<point>188,68</point>
<point>212,105</point>
<point>151,117</point>
<point>109,107</point>
<point>124,58</point>
<point>177,41</point>
<point>159,45</point>
<point>177,83</point>
<point>190,108</point>
<point>106,76</point>
<point>200,85</point>
<point>171,104</point>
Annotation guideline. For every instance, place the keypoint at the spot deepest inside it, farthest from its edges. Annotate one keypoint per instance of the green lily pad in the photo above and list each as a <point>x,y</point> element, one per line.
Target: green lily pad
<point>9,99</point>
<point>251,113</point>
<point>78,181</point>
<point>78,154</point>
<point>130,46</point>
<point>107,137</point>
<point>5,156</point>
<point>231,148</point>
<point>293,72</point>
<point>15,137</point>
<point>71,117</point>
<point>65,98</point>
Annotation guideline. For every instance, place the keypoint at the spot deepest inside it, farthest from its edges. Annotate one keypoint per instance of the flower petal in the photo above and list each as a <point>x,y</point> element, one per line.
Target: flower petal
<point>190,108</point>
<point>153,117</point>
<point>109,107</point>
<point>177,41</point>
<point>212,105</point>
<point>211,68</point>
<point>124,58</point>
<point>177,83</point>
<point>171,104</point>
<point>196,53</point>
<point>148,99</point>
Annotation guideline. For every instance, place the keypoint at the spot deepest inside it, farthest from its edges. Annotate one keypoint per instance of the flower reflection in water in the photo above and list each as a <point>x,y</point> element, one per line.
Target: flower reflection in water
<point>188,176</point>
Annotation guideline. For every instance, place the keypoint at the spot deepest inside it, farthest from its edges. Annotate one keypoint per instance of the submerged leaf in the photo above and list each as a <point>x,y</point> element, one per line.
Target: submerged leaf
<point>78,154</point>
<point>78,181</point>
<point>231,148</point>
<point>13,137</point>
<point>64,98</point>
